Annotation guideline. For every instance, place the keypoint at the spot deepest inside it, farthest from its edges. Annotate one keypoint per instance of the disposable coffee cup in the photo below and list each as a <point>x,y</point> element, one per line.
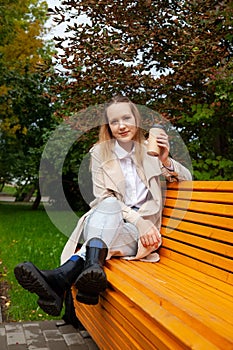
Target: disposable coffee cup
<point>152,147</point>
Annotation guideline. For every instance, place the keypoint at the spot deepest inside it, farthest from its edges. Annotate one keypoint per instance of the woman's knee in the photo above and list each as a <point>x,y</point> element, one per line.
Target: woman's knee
<point>109,205</point>
<point>109,200</point>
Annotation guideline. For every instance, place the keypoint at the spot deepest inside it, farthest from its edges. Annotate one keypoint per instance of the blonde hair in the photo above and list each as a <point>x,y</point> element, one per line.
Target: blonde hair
<point>105,135</point>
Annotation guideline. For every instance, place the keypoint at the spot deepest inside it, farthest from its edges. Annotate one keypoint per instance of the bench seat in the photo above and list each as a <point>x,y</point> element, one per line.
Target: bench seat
<point>185,301</point>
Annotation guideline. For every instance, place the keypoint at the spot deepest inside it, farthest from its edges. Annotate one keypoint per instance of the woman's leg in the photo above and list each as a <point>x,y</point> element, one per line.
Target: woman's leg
<point>104,231</point>
<point>106,222</point>
<point>49,285</point>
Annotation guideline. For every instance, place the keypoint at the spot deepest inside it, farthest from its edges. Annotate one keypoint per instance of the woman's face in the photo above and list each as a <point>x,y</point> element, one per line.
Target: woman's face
<point>121,122</point>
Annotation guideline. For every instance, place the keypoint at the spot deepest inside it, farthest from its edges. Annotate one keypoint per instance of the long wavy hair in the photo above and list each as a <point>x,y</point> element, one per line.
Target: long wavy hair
<point>105,135</point>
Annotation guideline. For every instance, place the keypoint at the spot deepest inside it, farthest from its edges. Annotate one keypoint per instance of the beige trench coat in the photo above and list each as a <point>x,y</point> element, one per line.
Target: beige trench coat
<point>108,181</point>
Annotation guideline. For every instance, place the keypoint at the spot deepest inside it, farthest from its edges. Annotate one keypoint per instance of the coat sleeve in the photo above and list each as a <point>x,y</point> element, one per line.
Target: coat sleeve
<point>178,172</point>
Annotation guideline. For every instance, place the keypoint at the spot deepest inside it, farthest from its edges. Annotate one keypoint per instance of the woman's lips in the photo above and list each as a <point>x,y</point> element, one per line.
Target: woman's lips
<point>122,134</point>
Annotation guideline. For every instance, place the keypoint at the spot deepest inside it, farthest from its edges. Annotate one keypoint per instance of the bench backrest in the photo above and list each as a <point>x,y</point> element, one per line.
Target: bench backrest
<point>197,227</point>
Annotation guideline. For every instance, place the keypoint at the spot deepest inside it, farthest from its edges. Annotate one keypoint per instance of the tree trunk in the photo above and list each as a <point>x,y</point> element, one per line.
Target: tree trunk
<point>36,203</point>
<point>29,194</point>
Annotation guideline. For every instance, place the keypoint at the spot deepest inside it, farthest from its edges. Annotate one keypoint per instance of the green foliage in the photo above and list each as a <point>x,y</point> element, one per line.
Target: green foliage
<point>201,111</point>
<point>75,176</point>
<point>26,112</point>
<point>218,168</point>
<point>209,130</point>
<point>26,108</point>
<point>26,235</point>
<point>21,26</point>
<point>175,57</point>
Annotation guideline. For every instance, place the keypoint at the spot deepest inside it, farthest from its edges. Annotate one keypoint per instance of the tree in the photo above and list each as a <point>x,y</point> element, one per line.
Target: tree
<point>210,129</point>
<point>26,111</point>
<point>24,127</point>
<point>21,30</point>
<point>167,55</point>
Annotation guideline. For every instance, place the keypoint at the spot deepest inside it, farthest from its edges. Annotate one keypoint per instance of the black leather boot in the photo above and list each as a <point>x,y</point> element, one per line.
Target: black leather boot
<point>93,279</point>
<point>49,285</point>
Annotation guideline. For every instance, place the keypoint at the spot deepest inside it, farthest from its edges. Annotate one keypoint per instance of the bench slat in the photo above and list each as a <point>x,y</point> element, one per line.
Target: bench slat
<point>136,321</point>
<point>159,338</point>
<point>211,220</point>
<point>165,286</point>
<point>222,210</point>
<point>202,267</point>
<point>202,257</point>
<point>203,186</point>
<point>194,275</point>
<point>193,315</point>
<point>212,233</point>
<point>201,246</point>
<point>197,292</point>
<point>209,197</point>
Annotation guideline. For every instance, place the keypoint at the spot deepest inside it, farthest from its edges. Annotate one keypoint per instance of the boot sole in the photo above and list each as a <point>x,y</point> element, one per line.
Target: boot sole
<point>30,279</point>
<point>92,281</point>
<point>87,299</point>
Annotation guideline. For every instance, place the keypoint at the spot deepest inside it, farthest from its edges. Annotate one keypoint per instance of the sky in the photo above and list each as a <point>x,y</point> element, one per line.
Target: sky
<point>57,30</point>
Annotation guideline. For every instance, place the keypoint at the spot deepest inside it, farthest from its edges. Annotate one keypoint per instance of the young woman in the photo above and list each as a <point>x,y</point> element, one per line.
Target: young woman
<point>125,216</point>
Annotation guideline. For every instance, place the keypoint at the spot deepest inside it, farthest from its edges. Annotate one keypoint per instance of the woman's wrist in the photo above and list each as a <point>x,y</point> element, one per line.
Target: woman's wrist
<point>168,164</point>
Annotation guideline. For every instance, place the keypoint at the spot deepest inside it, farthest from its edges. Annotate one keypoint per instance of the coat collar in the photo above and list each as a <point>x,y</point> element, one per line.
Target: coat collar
<point>149,168</point>
<point>121,153</point>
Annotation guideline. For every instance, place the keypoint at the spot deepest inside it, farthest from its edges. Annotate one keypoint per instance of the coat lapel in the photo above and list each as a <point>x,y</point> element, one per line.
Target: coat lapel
<point>150,168</point>
<point>114,176</point>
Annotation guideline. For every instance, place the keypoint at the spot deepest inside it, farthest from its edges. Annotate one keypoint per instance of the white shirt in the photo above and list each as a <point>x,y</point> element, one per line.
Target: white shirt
<point>135,190</point>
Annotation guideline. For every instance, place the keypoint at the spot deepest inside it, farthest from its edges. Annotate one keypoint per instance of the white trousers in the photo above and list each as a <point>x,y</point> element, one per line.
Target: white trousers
<point>106,222</point>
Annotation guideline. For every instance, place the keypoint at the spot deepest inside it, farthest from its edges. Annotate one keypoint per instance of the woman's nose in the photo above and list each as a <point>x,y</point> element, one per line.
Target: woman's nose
<point>121,124</point>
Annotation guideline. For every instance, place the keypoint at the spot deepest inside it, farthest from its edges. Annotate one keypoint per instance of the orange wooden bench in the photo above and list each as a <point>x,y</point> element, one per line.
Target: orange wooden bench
<point>185,301</point>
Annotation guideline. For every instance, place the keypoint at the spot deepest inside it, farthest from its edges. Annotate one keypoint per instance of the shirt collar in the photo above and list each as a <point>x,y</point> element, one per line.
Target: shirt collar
<point>121,153</point>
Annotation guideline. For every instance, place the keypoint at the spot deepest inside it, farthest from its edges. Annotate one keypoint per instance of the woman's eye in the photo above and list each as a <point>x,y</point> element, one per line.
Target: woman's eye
<point>113,122</point>
<point>128,119</point>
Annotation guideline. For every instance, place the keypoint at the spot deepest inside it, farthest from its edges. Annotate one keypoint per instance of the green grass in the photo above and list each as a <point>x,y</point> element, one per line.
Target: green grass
<point>11,190</point>
<point>26,235</point>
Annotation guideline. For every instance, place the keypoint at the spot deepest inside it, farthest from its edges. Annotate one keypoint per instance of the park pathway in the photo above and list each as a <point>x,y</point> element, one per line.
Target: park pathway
<point>44,335</point>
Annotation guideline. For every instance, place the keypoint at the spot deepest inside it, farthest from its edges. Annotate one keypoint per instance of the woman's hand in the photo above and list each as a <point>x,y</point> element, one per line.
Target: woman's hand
<point>163,143</point>
<point>151,238</point>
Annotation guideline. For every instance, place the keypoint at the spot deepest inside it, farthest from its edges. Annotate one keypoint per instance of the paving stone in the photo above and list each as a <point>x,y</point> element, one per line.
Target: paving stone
<point>80,347</point>
<point>91,344</point>
<point>52,335</point>
<point>85,334</point>
<point>15,337</point>
<point>34,336</point>
<point>3,346</point>
<point>58,345</point>
<point>30,324</point>
<point>32,347</point>
<point>73,338</point>
<point>2,331</point>
<point>44,335</point>
<point>3,338</point>
<point>67,328</point>
<point>12,327</point>
<point>17,347</point>
<point>46,325</point>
